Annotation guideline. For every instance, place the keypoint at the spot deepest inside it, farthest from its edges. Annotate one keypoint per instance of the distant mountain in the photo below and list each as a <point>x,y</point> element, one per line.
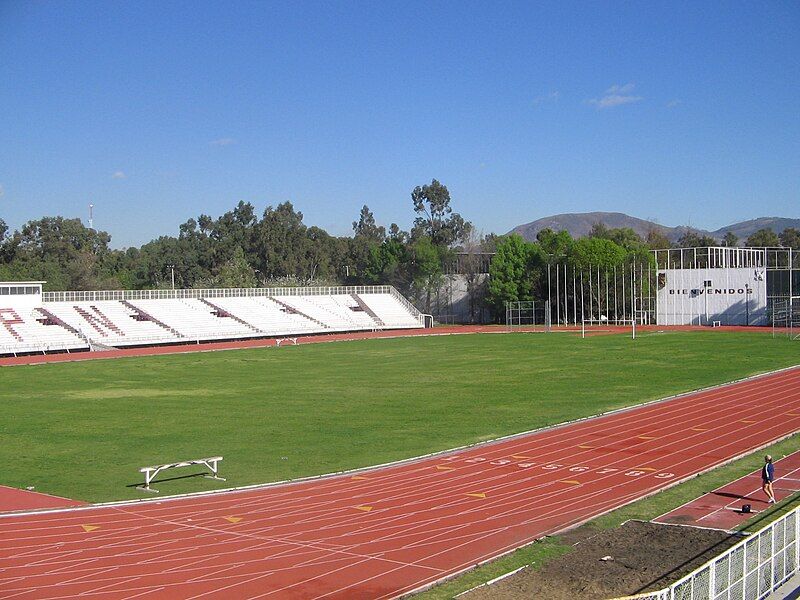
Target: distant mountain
<point>580,224</point>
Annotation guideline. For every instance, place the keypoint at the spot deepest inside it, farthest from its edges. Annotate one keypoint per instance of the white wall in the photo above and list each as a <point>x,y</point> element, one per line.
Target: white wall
<point>701,296</point>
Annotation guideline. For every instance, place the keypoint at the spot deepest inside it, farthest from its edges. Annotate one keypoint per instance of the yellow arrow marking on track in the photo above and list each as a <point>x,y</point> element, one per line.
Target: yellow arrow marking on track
<point>364,508</point>
<point>358,478</point>
<point>522,457</point>
<point>793,414</point>
<point>443,468</point>
<point>88,528</point>
<point>233,519</point>
<point>586,447</point>
<point>479,495</point>
<point>646,437</point>
<point>572,481</point>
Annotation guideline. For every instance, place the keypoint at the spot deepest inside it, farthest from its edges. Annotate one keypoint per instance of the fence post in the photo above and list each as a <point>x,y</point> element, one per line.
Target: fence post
<point>712,579</point>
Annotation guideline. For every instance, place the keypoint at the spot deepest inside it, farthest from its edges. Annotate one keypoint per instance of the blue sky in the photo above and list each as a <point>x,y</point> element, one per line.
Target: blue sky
<point>685,113</point>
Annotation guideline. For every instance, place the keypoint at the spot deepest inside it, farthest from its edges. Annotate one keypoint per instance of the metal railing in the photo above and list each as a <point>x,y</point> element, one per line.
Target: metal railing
<point>752,569</point>
<point>100,296</point>
<point>402,300</point>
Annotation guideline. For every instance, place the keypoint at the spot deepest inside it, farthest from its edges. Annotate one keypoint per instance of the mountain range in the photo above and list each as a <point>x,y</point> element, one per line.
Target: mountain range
<point>580,224</point>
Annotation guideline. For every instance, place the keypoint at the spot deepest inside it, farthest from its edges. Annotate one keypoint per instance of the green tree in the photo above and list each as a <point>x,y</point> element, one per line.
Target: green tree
<point>388,264</point>
<point>236,272</point>
<point>694,239</point>
<point>763,237</point>
<point>397,234</point>
<point>512,272</point>
<point>426,270</point>
<point>437,219</point>
<point>61,251</point>
<point>730,239</point>
<point>656,240</point>
<point>596,252</point>
<point>554,244</point>
<point>281,243</point>
<point>790,238</point>
<point>366,227</point>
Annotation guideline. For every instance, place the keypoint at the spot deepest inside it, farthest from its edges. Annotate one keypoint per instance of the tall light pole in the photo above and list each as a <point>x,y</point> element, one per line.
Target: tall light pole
<point>91,216</point>
<point>172,271</point>
<point>747,301</point>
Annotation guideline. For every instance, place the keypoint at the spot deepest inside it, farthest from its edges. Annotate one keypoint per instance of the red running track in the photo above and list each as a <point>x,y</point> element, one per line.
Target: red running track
<point>388,531</point>
<point>721,509</point>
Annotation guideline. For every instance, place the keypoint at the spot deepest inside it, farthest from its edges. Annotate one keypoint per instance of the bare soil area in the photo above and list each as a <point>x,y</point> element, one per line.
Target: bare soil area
<point>643,557</point>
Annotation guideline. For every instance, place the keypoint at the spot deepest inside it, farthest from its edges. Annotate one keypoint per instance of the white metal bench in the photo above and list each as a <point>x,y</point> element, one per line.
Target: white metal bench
<point>150,473</point>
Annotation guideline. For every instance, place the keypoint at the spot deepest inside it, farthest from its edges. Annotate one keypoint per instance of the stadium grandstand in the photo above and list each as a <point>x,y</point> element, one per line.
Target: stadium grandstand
<point>37,322</point>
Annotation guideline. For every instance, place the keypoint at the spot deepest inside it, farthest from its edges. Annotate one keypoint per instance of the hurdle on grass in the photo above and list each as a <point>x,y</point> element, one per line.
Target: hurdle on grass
<point>150,473</point>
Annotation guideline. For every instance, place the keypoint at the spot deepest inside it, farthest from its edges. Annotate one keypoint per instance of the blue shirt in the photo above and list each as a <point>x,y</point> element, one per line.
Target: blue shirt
<point>768,472</point>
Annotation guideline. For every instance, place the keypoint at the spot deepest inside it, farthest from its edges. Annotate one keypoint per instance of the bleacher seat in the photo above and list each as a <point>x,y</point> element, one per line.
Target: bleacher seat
<point>64,324</point>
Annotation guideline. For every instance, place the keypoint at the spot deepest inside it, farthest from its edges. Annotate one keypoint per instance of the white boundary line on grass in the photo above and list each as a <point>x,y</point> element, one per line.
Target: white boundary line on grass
<point>412,460</point>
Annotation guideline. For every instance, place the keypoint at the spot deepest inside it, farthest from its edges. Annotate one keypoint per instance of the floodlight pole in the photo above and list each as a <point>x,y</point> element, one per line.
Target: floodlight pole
<point>172,272</point>
<point>747,302</point>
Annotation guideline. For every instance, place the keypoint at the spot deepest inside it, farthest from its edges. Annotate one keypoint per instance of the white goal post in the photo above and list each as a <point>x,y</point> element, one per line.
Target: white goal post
<point>608,323</point>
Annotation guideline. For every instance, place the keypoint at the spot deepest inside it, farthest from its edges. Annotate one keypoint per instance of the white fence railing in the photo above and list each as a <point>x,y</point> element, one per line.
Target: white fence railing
<point>100,296</point>
<point>750,570</point>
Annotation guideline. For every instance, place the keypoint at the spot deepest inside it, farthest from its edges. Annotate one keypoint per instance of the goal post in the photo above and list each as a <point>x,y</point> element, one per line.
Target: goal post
<point>528,315</point>
<point>607,323</point>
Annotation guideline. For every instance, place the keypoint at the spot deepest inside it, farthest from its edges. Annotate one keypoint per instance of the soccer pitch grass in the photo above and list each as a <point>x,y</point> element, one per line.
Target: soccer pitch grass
<point>83,429</point>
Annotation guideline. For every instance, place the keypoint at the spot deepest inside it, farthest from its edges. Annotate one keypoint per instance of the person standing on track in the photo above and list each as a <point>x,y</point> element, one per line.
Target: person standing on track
<point>767,477</point>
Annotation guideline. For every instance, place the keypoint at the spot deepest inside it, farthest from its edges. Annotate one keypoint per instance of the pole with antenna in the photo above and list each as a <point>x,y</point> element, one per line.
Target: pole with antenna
<point>91,216</point>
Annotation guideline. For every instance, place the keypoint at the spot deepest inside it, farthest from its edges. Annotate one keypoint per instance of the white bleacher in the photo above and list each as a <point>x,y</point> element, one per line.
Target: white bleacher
<point>193,319</point>
<point>119,319</point>
<point>390,311</point>
<point>33,336</point>
<point>125,331</point>
<point>332,310</point>
<point>267,315</point>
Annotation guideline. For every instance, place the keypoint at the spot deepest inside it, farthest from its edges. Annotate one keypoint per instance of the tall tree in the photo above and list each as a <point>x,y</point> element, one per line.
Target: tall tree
<point>236,272</point>
<point>763,237</point>
<point>656,240</point>
<point>556,245</point>
<point>397,234</point>
<point>510,273</point>
<point>426,271</point>
<point>366,227</point>
<point>437,219</point>
<point>596,252</point>
<point>790,238</point>
<point>694,239</point>
<point>280,243</point>
<point>61,251</point>
<point>730,239</point>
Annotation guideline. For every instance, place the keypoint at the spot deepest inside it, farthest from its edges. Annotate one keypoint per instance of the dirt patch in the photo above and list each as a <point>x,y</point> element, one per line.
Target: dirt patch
<point>645,557</point>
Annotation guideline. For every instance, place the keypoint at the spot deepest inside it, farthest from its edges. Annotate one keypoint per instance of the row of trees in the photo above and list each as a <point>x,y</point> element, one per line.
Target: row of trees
<point>243,249</point>
<point>519,268</point>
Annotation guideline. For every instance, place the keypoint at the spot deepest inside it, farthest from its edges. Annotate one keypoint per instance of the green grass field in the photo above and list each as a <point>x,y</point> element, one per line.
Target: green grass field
<point>82,430</point>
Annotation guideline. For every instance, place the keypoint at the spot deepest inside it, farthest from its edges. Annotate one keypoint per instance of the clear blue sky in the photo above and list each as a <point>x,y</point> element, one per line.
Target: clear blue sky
<point>159,111</point>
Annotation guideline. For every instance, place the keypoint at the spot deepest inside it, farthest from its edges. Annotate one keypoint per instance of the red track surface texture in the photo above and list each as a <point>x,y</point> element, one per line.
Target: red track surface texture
<point>721,509</point>
<point>15,499</point>
<point>384,532</point>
